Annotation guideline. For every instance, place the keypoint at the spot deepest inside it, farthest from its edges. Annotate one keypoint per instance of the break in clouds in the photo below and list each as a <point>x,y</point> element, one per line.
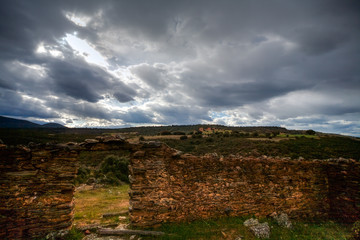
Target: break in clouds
<point>127,63</point>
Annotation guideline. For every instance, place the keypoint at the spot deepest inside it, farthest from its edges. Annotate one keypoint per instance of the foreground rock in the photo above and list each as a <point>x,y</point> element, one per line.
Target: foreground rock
<point>260,230</point>
<point>282,219</point>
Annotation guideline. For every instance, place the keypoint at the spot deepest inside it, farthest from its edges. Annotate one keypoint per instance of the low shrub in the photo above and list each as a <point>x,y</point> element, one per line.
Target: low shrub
<point>178,133</point>
<point>114,170</point>
<point>83,175</point>
<point>209,139</point>
<point>184,137</point>
<point>196,136</point>
<point>165,133</point>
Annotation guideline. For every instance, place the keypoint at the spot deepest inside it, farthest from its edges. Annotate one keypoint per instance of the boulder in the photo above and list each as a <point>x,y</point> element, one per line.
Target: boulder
<point>260,230</point>
<point>282,219</point>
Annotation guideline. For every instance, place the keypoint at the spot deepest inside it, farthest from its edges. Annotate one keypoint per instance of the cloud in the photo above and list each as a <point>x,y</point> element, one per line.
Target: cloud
<point>14,104</point>
<point>136,115</point>
<point>123,97</point>
<point>164,62</point>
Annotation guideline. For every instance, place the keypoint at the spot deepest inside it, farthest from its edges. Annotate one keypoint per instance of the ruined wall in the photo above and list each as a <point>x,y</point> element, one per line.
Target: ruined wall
<point>169,187</point>
<point>36,191</point>
<point>344,190</point>
<point>36,186</point>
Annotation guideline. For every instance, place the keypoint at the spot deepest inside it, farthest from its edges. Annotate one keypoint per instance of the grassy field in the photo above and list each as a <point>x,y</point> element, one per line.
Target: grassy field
<point>232,228</point>
<point>257,141</point>
<point>306,147</point>
<point>91,204</point>
<point>297,136</point>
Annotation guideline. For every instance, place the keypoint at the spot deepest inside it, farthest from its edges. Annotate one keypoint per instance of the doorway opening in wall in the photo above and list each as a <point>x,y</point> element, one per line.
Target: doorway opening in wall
<point>101,189</point>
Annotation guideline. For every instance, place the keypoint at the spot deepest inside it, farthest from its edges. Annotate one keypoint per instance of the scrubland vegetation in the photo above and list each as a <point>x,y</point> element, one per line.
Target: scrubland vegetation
<point>305,146</point>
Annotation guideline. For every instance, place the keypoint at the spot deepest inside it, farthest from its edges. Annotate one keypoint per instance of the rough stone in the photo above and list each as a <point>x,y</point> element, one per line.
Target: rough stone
<point>282,219</point>
<point>91,141</point>
<point>261,230</point>
<point>168,189</point>
<point>152,144</point>
<point>36,191</point>
<point>251,222</point>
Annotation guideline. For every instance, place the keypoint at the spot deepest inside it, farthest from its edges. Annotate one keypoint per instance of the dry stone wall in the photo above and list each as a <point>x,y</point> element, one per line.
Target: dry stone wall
<point>169,187</point>
<point>36,186</point>
<point>36,191</point>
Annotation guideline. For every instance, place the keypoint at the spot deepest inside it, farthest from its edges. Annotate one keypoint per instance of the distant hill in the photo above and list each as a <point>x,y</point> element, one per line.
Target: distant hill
<point>6,122</point>
<point>52,125</point>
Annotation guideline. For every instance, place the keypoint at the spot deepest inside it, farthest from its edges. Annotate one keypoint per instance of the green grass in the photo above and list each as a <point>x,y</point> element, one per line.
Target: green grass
<point>74,234</point>
<point>90,205</point>
<point>306,147</point>
<point>232,227</point>
<point>297,136</point>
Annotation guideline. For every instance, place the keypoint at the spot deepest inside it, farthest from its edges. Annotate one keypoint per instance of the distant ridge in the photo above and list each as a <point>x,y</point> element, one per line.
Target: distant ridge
<point>52,125</point>
<point>6,122</point>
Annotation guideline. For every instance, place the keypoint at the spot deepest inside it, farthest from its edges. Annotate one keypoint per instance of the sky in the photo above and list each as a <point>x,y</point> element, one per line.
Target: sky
<point>288,63</point>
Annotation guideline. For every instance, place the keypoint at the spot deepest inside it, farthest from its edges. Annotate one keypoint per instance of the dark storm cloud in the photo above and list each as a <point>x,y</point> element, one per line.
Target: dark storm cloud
<point>80,82</point>
<point>136,116</point>
<point>81,109</point>
<point>180,114</point>
<point>26,23</point>
<point>123,97</point>
<point>13,104</point>
<point>275,59</point>
<point>6,84</point>
<point>23,26</point>
<point>230,95</point>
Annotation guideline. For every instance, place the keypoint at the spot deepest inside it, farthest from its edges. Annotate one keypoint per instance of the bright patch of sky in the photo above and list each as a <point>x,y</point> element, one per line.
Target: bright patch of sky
<point>84,49</point>
<point>214,115</point>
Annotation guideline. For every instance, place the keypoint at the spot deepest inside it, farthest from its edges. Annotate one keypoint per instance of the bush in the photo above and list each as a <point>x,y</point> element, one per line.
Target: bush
<point>82,176</point>
<point>209,139</point>
<point>165,133</point>
<point>183,137</point>
<point>275,133</point>
<point>114,169</point>
<point>141,138</point>
<point>178,133</point>
<point>310,132</point>
<point>110,179</point>
<point>196,136</point>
